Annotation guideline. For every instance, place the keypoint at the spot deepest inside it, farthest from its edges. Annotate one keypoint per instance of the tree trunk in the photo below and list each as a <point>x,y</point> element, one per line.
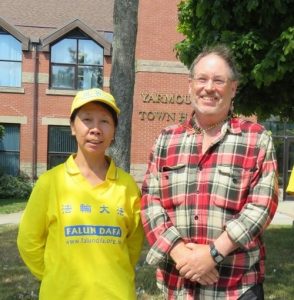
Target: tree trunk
<point>122,79</point>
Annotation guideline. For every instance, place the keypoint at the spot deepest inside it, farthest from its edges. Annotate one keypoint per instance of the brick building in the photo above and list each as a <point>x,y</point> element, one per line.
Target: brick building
<point>43,76</point>
<point>50,49</point>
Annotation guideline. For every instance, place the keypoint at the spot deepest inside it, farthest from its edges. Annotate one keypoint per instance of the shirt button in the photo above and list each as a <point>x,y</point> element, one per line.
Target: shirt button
<point>196,218</point>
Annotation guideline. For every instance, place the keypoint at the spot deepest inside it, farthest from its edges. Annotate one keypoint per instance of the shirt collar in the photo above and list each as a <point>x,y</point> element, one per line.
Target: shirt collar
<point>72,168</point>
<point>233,125</point>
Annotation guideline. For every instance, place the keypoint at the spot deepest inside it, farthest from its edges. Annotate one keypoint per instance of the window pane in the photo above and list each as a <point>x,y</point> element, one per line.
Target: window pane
<point>10,139</point>
<point>60,145</point>
<point>277,128</point>
<point>90,77</point>
<point>64,52</point>
<point>9,163</point>
<point>80,55</point>
<point>10,73</point>
<point>10,48</point>
<point>9,149</point>
<point>61,140</point>
<point>90,53</point>
<point>290,129</point>
<point>62,77</point>
<point>56,159</point>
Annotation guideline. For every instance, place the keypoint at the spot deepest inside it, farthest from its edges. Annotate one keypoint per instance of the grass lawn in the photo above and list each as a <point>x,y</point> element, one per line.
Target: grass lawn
<point>17,283</point>
<point>8,206</point>
<point>279,284</point>
<point>15,280</point>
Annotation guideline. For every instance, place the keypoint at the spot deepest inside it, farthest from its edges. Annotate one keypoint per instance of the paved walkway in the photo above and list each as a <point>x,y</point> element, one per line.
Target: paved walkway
<point>283,216</point>
<point>10,218</point>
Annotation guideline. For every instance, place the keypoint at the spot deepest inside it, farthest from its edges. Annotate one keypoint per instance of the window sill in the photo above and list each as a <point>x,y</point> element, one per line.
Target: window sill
<point>13,90</point>
<point>61,92</point>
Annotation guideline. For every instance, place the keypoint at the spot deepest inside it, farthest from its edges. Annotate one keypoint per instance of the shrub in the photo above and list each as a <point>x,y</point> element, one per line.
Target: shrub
<point>17,187</point>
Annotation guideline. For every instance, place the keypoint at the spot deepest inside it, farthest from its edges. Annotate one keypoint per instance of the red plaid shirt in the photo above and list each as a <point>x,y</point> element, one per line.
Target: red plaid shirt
<point>195,197</point>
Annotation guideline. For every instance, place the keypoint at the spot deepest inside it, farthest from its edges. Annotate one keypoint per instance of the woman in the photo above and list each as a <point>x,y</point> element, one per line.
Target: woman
<point>81,233</point>
<point>290,187</point>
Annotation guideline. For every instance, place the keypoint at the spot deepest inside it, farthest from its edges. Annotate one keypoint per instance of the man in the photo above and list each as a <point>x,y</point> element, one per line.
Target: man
<point>209,193</point>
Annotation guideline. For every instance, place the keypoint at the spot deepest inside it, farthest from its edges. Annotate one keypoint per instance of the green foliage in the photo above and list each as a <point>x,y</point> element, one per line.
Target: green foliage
<point>15,186</point>
<point>261,35</point>
<point>2,131</point>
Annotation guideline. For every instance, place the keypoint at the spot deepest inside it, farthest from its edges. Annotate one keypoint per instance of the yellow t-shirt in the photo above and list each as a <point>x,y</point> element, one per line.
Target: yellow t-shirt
<point>82,242</point>
<point>290,188</point>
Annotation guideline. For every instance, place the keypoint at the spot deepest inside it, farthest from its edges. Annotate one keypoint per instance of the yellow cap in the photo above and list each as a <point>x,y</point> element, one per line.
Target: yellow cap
<point>86,96</point>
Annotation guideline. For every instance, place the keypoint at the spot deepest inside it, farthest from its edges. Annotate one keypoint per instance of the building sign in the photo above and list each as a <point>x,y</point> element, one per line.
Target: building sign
<point>164,98</point>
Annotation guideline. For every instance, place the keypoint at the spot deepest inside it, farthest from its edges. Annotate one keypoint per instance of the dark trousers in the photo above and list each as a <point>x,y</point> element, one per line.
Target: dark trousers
<point>254,293</point>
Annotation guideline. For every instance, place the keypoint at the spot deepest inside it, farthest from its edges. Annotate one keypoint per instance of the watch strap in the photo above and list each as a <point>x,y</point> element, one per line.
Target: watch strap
<point>217,257</point>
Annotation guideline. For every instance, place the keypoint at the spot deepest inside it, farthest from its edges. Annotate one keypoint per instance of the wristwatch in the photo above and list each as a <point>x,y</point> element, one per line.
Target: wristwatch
<point>217,257</point>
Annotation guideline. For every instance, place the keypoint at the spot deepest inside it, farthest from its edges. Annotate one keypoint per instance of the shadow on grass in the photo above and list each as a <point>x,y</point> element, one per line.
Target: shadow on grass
<point>16,282</point>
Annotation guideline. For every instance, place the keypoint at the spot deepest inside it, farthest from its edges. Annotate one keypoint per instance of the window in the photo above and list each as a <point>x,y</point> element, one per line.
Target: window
<point>76,63</point>
<point>283,138</point>
<point>10,60</point>
<point>279,128</point>
<point>60,145</point>
<point>9,149</point>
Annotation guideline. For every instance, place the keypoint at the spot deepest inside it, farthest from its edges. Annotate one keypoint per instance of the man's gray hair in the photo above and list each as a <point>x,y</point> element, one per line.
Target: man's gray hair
<point>222,51</point>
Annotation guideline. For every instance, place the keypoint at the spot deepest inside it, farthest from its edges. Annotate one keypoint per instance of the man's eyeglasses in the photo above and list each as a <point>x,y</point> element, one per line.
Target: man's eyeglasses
<point>203,81</point>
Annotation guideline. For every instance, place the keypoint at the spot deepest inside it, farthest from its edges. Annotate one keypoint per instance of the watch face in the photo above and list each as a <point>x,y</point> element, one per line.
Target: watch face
<point>218,259</point>
<point>216,256</point>
<point>213,252</point>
